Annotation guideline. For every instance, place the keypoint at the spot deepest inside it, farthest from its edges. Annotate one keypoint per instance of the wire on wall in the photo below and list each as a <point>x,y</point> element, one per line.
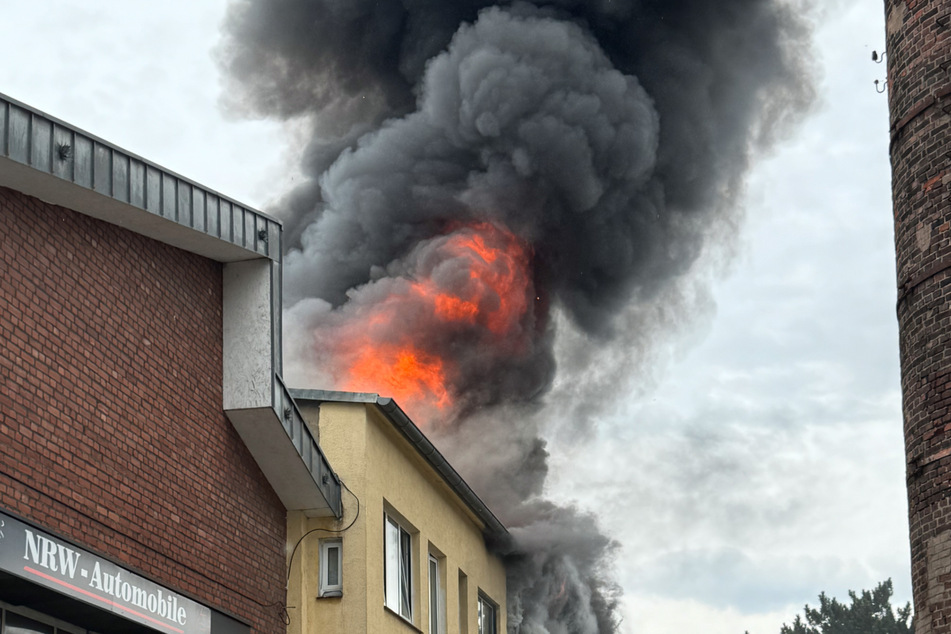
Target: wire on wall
<point>335,531</point>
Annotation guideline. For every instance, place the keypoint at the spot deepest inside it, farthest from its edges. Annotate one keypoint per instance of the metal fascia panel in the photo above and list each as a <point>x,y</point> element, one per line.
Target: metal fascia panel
<point>55,149</point>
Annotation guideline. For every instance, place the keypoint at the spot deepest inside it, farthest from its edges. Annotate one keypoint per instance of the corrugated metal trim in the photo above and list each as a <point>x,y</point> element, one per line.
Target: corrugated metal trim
<point>415,436</point>
<point>50,146</point>
<point>308,448</point>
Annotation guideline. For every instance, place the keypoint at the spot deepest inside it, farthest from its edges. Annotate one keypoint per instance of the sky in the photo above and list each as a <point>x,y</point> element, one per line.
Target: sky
<point>760,462</point>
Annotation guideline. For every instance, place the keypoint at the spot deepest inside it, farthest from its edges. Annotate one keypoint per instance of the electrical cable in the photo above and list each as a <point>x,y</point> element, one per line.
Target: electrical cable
<point>337,531</point>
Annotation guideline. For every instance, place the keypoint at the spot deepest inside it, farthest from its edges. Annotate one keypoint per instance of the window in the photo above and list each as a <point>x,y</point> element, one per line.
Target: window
<point>331,568</point>
<point>398,568</point>
<point>437,596</point>
<point>463,603</point>
<point>488,617</point>
<point>23,620</point>
<point>17,624</point>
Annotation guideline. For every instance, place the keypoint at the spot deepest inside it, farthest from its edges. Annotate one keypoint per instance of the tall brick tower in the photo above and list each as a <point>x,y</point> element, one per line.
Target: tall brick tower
<point>919,87</point>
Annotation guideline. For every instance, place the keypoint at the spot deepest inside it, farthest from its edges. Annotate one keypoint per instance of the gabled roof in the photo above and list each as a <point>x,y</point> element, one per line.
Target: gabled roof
<point>398,418</point>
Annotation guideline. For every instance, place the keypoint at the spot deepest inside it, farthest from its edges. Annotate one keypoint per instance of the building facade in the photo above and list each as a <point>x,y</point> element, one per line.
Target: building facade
<point>155,472</point>
<point>148,451</point>
<point>918,44</point>
<point>411,554</point>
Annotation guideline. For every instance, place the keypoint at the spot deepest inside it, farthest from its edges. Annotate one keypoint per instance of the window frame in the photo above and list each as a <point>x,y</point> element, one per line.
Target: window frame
<point>463,602</point>
<point>398,585</point>
<point>485,604</point>
<point>437,586</point>
<point>325,588</point>
<point>59,626</point>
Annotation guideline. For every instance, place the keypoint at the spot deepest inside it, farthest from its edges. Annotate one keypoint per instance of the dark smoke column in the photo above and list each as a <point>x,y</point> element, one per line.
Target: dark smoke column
<point>478,173</point>
<point>919,60</point>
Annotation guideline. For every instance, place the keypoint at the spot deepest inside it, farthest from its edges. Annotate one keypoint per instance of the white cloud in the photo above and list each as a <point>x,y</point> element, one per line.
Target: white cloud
<point>143,78</point>
<point>657,614</point>
<point>768,464</point>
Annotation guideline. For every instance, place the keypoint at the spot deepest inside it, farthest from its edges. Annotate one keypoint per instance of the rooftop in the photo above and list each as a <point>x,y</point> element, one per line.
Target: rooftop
<point>398,418</point>
<point>56,162</point>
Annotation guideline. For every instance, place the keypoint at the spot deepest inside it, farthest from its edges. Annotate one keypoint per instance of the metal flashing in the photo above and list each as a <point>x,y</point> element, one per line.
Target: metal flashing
<point>289,456</point>
<point>53,161</point>
<point>254,396</point>
<point>398,418</point>
<point>328,483</point>
<point>56,162</point>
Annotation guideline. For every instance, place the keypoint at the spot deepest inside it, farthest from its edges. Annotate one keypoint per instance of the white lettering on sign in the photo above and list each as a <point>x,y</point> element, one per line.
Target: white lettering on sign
<point>50,555</point>
<point>158,602</point>
<point>30,553</point>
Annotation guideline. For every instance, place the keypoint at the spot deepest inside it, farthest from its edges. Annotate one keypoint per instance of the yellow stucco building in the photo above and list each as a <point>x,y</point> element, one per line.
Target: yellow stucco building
<point>409,554</point>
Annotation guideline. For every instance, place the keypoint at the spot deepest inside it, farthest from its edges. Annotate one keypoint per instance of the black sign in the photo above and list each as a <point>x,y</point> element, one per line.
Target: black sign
<point>45,560</point>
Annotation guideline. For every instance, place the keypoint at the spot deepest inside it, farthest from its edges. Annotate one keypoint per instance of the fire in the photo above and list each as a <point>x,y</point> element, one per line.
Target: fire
<point>472,285</point>
<point>406,371</point>
<point>454,309</point>
<point>495,293</point>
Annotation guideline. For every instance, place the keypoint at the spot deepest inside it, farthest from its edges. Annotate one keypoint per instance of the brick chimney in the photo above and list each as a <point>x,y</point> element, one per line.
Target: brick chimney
<point>919,91</point>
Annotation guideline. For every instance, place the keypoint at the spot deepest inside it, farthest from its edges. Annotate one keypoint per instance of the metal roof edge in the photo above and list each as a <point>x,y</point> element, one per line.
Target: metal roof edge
<point>334,396</point>
<point>54,161</point>
<point>395,414</point>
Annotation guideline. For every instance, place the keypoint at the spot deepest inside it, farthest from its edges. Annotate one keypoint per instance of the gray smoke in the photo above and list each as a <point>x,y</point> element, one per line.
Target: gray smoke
<point>559,565</point>
<point>609,138</point>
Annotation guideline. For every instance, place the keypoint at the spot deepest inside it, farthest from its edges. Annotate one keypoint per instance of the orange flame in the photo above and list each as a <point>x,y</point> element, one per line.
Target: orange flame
<point>409,374</point>
<point>474,283</point>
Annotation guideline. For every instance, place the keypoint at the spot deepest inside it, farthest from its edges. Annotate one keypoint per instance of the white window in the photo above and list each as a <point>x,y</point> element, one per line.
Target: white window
<point>331,568</point>
<point>488,616</point>
<point>437,597</point>
<point>398,571</point>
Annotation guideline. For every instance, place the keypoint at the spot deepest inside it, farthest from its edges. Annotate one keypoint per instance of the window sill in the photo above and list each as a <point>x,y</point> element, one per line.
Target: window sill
<point>402,619</point>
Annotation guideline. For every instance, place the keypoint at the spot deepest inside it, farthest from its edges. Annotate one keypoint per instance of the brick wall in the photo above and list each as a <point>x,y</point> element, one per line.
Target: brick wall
<point>111,427</point>
<point>919,81</point>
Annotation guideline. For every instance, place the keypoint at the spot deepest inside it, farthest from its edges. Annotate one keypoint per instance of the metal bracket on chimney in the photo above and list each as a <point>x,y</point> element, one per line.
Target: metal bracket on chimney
<point>878,59</point>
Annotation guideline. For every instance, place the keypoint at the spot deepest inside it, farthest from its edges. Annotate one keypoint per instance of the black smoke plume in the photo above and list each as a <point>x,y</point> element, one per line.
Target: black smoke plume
<point>610,137</point>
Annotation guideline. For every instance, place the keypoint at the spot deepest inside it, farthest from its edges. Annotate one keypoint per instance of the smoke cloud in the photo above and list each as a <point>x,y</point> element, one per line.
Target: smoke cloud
<point>483,178</point>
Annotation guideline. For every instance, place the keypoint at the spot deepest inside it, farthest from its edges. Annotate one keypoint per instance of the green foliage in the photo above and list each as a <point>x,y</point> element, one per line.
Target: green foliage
<point>870,613</point>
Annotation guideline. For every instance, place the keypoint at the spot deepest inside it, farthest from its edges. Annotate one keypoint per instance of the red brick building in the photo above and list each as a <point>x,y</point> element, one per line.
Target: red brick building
<point>919,86</point>
<point>149,451</point>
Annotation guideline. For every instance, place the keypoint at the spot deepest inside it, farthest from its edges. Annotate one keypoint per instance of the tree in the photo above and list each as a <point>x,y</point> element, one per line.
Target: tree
<point>870,613</point>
